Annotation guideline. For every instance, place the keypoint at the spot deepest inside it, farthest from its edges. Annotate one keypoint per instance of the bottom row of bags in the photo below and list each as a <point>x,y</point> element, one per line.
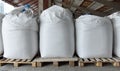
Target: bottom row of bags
<point>92,35</point>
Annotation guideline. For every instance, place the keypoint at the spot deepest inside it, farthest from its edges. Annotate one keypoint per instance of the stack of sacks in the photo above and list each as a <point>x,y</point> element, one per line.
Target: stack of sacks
<point>56,32</point>
<point>115,17</point>
<point>94,36</point>
<point>20,34</point>
<point>1,41</point>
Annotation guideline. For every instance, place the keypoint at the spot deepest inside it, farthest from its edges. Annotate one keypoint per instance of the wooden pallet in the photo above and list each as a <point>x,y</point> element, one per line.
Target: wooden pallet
<point>55,61</point>
<point>16,62</point>
<point>99,61</point>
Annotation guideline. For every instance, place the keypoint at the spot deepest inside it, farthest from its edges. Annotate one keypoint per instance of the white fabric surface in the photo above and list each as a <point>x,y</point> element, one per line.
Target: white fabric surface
<point>115,17</point>
<point>94,36</point>
<point>1,41</point>
<point>56,33</point>
<point>20,35</point>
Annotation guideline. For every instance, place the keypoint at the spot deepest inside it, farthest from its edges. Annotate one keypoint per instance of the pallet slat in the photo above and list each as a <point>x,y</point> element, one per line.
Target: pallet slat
<point>6,60</point>
<point>98,59</point>
<point>111,60</point>
<point>82,61</point>
<point>11,60</point>
<point>28,60</point>
<point>116,59</point>
<point>86,60</point>
<point>104,60</point>
<point>16,62</point>
<point>23,60</point>
<point>92,59</point>
<point>55,60</point>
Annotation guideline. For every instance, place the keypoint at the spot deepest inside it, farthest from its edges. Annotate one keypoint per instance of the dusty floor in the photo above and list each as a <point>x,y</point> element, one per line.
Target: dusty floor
<point>10,67</point>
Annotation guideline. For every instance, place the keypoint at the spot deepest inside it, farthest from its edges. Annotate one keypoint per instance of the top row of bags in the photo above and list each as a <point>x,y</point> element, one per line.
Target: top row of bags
<point>93,34</point>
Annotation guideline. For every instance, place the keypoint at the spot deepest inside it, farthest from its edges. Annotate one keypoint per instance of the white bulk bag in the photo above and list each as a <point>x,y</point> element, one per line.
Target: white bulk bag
<point>20,35</point>
<point>115,17</point>
<point>56,32</point>
<point>94,36</point>
<point>1,41</point>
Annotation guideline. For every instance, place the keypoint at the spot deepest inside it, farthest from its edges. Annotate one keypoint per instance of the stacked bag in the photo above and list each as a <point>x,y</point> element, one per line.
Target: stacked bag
<point>20,34</point>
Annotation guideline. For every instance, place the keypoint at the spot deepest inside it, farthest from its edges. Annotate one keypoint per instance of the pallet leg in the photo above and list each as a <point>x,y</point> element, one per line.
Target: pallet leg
<point>56,64</point>
<point>99,64</point>
<point>16,64</point>
<point>34,64</point>
<point>81,64</point>
<point>39,64</point>
<point>72,63</point>
<point>116,64</point>
<point>0,64</point>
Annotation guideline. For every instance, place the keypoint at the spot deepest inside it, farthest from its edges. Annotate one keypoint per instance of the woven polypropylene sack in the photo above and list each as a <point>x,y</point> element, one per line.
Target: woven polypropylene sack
<point>115,18</point>
<point>20,35</point>
<point>93,36</point>
<point>56,32</point>
<point>1,41</point>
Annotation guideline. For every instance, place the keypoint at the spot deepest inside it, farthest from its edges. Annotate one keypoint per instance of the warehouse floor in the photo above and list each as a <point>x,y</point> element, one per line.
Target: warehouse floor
<point>61,68</point>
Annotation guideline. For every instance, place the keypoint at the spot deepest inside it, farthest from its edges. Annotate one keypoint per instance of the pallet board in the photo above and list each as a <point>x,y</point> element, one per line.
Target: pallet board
<point>81,61</point>
<point>16,62</point>
<point>55,61</point>
<point>99,61</point>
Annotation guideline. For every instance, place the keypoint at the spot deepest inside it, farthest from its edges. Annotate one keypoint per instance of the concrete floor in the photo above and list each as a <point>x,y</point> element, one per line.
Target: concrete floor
<point>10,67</point>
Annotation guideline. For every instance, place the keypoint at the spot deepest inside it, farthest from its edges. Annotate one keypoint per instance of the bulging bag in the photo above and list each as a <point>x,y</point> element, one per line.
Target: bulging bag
<point>93,36</point>
<point>20,35</point>
<point>115,17</point>
<point>1,40</point>
<point>56,32</point>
